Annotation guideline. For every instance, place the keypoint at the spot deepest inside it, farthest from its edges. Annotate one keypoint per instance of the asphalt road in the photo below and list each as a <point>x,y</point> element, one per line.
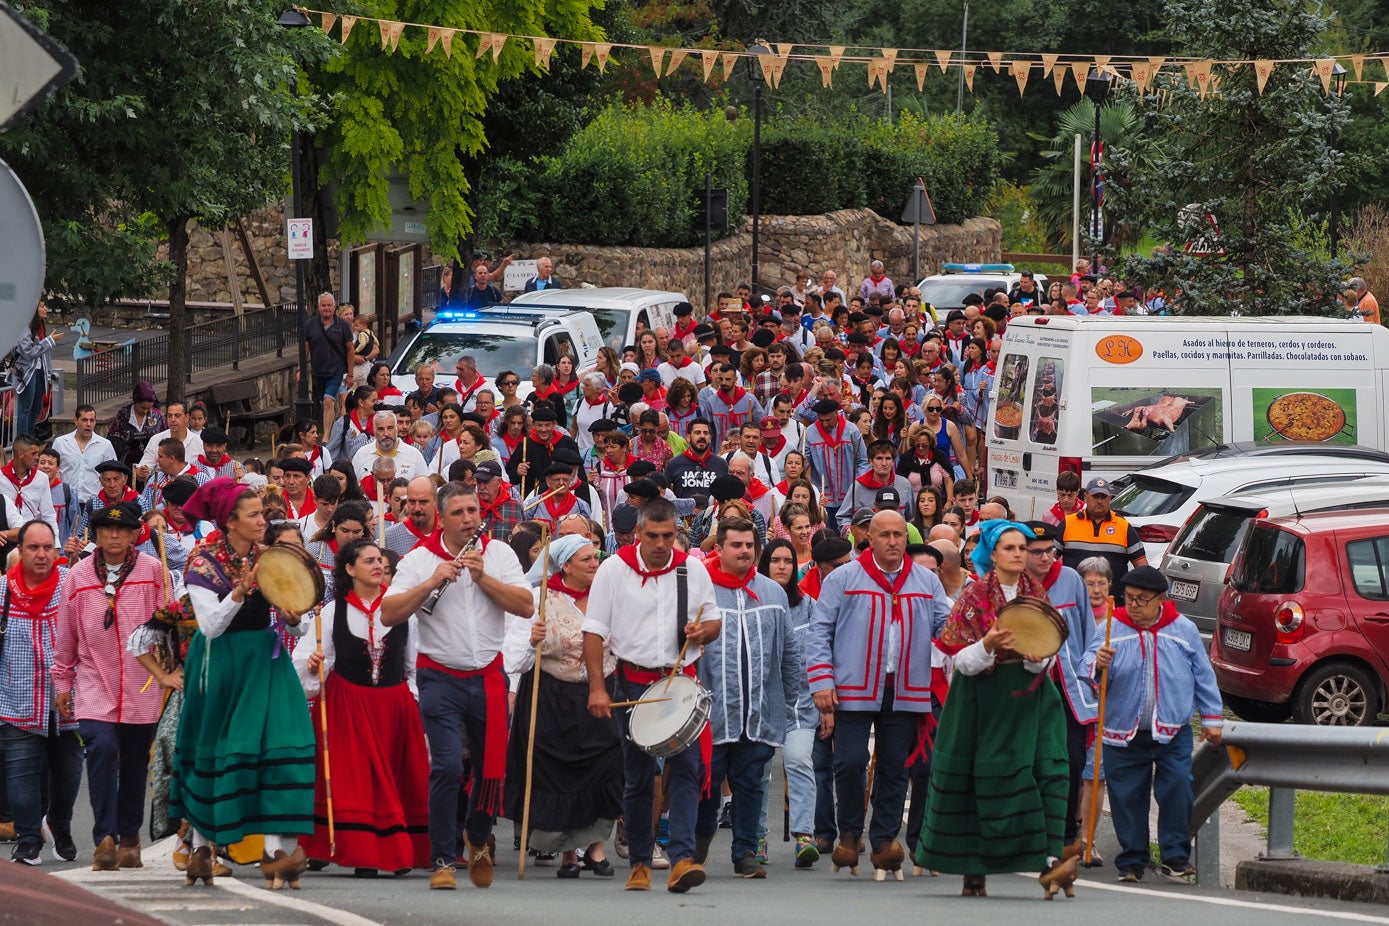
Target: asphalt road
<point>785,897</point>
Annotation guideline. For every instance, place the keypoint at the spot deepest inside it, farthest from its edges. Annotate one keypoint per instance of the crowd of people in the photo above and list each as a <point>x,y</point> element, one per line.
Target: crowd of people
<point>795,493</point>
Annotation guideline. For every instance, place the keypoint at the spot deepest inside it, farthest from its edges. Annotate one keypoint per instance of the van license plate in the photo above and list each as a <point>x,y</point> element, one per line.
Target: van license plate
<point>1238,639</point>
<point>1186,591</point>
<point>1005,479</point>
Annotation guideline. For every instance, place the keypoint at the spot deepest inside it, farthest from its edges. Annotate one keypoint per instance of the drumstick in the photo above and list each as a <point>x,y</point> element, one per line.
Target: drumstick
<point>164,561</point>
<point>638,701</point>
<point>1099,742</point>
<point>535,704</point>
<point>681,658</point>
<point>323,726</point>
<point>380,513</point>
<point>553,492</point>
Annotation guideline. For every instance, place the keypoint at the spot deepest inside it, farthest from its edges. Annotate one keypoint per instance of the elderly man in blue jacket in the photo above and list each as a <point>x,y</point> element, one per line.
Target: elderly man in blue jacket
<point>868,658</point>
<point>1159,675</point>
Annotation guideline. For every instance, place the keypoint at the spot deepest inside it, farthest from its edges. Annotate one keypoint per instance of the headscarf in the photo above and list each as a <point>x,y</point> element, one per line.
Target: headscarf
<point>144,392</point>
<point>561,550</point>
<point>215,500</point>
<point>989,532</point>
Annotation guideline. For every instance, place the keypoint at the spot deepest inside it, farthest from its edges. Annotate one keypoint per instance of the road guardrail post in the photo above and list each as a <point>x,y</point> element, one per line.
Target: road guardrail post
<point>1208,852</point>
<point>1281,813</point>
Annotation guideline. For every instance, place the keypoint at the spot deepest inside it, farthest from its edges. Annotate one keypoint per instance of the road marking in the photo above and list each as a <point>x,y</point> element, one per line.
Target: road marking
<point>1233,902</point>
<point>279,898</point>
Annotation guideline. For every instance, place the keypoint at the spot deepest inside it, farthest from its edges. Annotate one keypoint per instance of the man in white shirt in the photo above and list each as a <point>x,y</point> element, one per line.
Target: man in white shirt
<point>26,487</point>
<point>463,689</point>
<point>409,462</point>
<point>646,641</point>
<point>678,363</point>
<point>82,450</point>
<point>176,416</point>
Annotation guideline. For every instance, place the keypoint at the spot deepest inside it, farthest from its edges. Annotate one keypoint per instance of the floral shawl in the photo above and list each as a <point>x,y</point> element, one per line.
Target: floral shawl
<point>976,610</point>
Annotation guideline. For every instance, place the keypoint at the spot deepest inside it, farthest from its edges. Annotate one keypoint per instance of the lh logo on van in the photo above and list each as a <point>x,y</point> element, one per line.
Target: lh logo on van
<point>1118,348</point>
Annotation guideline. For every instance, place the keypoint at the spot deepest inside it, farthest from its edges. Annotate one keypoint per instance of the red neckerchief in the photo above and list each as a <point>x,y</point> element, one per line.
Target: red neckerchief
<point>570,499</point>
<point>512,442</point>
<point>674,415</point>
<point>728,580</point>
<point>370,610</point>
<point>756,489</point>
<point>465,393</point>
<point>686,331</point>
<point>493,513</point>
<point>910,348</point>
<point>187,527</point>
<point>604,465</point>
<point>681,365</point>
<point>737,396</point>
<point>30,601</point>
<point>556,584</point>
<point>702,461</point>
<point>951,337</point>
<point>866,480</point>
<point>554,439</point>
<point>313,455</point>
<point>837,441</point>
<point>800,397</point>
<point>434,543</point>
<point>388,392</point>
<point>368,429</point>
<point>973,518</point>
<point>810,583</point>
<point>368,487</point>
<point>1169,614</point>
<point>1052,575</point>
<point>129,495</point>
<point>213,464</point>
<point>19,485</point>
<point>310,505</point>
<point>658,396</point>
<point>784,487</point>
<point>565,388</point>
<point>544,392</point>
<point>870,566</point>
<point>419,534</point>
<point>594,403</point>
<point>774,448</point>
<point>632,558</point>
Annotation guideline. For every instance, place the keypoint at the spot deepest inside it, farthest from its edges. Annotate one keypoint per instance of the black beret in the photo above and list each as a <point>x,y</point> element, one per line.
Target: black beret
<point>125,514</point>
<point>856,317</point>
<point>915,549</point>
<point>296,465</point>
<point>703,331</point>
<point>1041,530</point>
<point>473,417</point>
<point>857,338</point>
<point>629,393</point>
<point>640,468</point>
<point>683,309</point>
<point>114,466</point>
<point>180,490</point>
<point>559,469</point>
<point>544,411</point>
<point>873,310</point>
<point>642,488</point>
<point>834,353</point>
<point>214,435</point>
<point>827,551</point>
<point>763,338</point>
<point>825,406</point>
<point>568,456</point>
<point>1145,577</point>
<point>602,425</point>
<point>726,488</point>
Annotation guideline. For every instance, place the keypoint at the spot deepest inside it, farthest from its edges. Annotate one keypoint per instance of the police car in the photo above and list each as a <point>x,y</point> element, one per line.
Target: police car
<point>498,338</point>
<point>947,290</point>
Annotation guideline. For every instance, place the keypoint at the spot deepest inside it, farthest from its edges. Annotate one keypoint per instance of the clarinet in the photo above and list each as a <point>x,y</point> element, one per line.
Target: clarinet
<point>434,596</point>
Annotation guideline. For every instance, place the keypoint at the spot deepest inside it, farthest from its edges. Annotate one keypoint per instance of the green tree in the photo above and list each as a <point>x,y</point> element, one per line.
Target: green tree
<point>1257,162</point>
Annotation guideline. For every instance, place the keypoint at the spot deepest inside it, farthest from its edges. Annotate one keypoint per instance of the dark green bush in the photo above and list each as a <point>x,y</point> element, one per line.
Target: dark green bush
<point>958,160</point>
<point>809,167</point>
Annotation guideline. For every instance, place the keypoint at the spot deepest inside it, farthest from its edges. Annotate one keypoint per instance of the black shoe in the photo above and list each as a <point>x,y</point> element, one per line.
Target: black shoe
<point>543,859</point>
<point>1130,875</point>
<point>64,849</point>
<point>364,872</point>
<point>317,864</point>
<point>602,869</point>
<point>28,853</point>
<point>749,867</point>
<point>570,870</point>
<point>701,848</point>
<point>726,816</point>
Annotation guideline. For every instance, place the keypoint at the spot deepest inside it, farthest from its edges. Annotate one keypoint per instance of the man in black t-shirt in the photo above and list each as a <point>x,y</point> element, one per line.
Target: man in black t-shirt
<point>331,355</point>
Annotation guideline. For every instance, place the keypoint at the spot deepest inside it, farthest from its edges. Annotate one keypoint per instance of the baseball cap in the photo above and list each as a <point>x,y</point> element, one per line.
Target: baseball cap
<point>488,471</point>
<point>1098,487</point>
<point>862,517</point>
<point>887,498</point>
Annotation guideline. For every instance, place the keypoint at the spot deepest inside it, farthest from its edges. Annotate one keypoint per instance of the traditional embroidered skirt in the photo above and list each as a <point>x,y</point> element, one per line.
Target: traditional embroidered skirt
<point>162,767</point>
<point>999,776</point>
<point>577,793</point>
<point>245,751</point>
<point>380,768</point>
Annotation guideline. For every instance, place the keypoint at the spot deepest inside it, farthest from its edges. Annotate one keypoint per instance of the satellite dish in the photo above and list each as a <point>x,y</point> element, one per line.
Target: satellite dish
<point>21,259</point>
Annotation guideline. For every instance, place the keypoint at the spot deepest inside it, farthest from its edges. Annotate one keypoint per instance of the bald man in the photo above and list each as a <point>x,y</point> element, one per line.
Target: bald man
<point>421,517</point>
<point>953,576</point>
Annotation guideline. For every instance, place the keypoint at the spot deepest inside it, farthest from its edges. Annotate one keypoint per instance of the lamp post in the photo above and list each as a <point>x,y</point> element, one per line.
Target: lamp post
<point>754,66</point>
<point>964,43</point>
<point>1097,87</point>
<point>303,402</point>
<point>1333,222</point>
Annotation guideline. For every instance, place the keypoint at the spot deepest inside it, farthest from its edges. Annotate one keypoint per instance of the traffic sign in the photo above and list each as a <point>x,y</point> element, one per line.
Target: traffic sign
<point>32,66</point>
<point>1207,242</point>
<point>21,259</point>
<point>918,210</point>
<point>299,239</point>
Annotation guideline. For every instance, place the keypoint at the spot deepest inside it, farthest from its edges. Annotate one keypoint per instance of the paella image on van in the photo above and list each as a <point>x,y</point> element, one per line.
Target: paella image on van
<point>1153,421</point>
<point>1325,415</point>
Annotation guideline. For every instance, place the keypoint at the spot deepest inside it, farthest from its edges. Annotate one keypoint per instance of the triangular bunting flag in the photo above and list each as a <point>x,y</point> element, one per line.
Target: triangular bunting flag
<point>677,55</point>
<point>1142,74</point>
<point>1190,68</point>
<point>435,33</point>
<point>1323,68</point>
<point>730,61</point>
<point>826,67</point>
<point>498,43</point>
<point>920,67</point>
<point>1263,69</point>
<point>969,76</point>
<point>709,59</point>
<point>585,54</point>
<point>1357,63</point>
<point>447,39</point>
<point>658,58</point>
<point>836,52</point>
<point>943,59</point>
<point>328,20</point>
<point>347,23</point>
<point>996,61</point>
<point>485,40</point>
<point>1384,62</point>
<point>1156,64</point>
<point>544,48</point>
<point>390,34</point>
<point>1081,71</point>
<point>1058,76</point>
<point>890,56</point>
<point>877,73</point>
<point>1379,87</point>
<point>778,68</point>
<point>764,67</point>
<point>783,49</point>
<point>1203,77</point>
<point>601,51</point>
<point>1101,62</point>
<point>1020,70</point>
<point>1049,63</point>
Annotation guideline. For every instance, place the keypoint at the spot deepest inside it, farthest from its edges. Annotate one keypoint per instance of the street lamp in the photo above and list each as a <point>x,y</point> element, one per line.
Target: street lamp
<point>754,66</point>
<point>1097,87</point>
<point>1333,223</point>
<point>303,402</point>
<point>964,43</point>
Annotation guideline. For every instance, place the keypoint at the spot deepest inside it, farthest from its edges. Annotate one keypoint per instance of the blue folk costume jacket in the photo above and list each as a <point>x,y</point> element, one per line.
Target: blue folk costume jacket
<point>847,644</point>
<point>1067,593</point>
<point>753,666</point>
<point>836,456</point>
<point>728,411</point>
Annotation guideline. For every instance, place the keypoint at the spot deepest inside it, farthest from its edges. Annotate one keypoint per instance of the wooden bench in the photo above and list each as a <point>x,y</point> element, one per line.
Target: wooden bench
<point>234,403</point>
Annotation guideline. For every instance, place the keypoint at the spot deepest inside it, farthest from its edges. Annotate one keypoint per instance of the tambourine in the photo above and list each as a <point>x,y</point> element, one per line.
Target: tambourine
<point>1038,628</point>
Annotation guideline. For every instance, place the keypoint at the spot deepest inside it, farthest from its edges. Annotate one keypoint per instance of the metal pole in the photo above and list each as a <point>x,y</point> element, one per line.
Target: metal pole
<point>1095,196</point>
<point>1208,852</point>
<point>1281,811</point>
<point>916,251</point>
<point>303,404</point>
<point>964,43</point>
<point>1075,209</point>
<point>756,175</point>
<point>708,239</point>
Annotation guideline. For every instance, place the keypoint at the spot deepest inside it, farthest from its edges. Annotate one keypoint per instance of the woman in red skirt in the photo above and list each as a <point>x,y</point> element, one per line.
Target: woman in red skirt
<point>381,776</point>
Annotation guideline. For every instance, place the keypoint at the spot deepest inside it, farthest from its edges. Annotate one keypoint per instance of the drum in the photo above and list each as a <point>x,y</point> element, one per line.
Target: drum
<point>667,728</point>
<point>290,579</point>
<point>1038,628</point>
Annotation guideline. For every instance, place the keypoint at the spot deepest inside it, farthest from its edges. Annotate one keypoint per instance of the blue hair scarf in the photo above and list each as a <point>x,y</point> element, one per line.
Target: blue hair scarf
<point>989,532</point>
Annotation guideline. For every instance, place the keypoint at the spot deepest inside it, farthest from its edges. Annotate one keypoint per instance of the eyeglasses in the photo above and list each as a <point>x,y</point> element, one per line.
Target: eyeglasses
<point>1133,600</point>
<point>934,408</point>
<point>508,382</point>
<point>1042,551</point>
<point>649,432</point>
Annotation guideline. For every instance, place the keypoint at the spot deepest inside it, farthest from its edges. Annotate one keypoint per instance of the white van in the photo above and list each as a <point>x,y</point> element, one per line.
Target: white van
<point>1107,395</point>
<point>616,309</point>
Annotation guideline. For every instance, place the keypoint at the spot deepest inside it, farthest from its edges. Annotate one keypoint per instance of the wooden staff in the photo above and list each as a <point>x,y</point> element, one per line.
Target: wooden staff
<point>163,561</point>
<point>868,785</point>
<point>1099,742</point>
<point>323,726</point>
<point>535,704</point>
<point>679,660</point>
<point>548,495</point>
<point>381,512</point>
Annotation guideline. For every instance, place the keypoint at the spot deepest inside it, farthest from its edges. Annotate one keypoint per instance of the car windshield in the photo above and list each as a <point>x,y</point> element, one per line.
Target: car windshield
<point>1211,535</point>
<point>493,352</point>
<point>1146,497</point>
<point>1271,562</point>
<point>950,293</point>
<point>612,326</point>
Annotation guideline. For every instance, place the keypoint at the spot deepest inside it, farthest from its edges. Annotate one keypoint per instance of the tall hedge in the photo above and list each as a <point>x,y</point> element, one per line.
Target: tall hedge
<point>810,167</point>
<point>958,160</point>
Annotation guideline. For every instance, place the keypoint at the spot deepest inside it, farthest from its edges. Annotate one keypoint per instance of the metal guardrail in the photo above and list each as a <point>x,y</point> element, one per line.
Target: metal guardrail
<point>1285,758</point>
<point>112,374</point>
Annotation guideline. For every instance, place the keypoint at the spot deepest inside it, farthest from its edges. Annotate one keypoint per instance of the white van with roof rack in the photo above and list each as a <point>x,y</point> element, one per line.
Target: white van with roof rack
<point>947,290</point>
<point>616,309</point>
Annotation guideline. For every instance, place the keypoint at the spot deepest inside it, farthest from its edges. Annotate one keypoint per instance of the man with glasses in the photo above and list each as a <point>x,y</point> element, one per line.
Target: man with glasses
<point>1067,594</point>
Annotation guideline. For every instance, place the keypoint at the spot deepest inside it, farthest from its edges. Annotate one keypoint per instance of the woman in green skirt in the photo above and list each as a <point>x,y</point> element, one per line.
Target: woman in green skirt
<point>244,759</point>
<point>999,770</point>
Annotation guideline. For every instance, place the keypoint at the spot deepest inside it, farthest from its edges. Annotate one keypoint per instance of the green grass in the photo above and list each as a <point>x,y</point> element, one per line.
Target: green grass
<point>1330,827</point>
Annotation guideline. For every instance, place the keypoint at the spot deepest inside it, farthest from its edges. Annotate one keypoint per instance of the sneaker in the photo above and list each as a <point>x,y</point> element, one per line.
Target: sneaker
<point>443,878</point>
<point>726,816</point>
<point>807,853</point>
<point>64,848</point>
<point>685,875</point>
<point>620,839</point>
<point>543,859</point>
<point>659,860</point>
<point>663,832</point>
<point>1130,875</point>
<point>749,867</point>
<point>28,853</point>
<point>762,851</point>
<point>1178,871</point>
<point>640,878</point>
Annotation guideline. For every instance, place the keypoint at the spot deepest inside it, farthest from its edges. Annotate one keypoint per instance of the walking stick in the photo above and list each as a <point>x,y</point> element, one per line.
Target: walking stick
<point>168,600</point>
<point>380,513</point>
<point>323,727</point>
<point>868,786</point>
<point>1099,743</point>
<point>535,704</point>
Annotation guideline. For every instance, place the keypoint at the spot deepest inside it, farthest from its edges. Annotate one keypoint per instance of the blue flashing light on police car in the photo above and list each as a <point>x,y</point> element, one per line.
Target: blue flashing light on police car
<point>455,315</point>
<point>976,268</point>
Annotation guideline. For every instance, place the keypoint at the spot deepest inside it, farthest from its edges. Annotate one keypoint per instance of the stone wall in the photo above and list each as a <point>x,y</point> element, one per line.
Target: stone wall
<point>845,241</point>
<point>207,266</point>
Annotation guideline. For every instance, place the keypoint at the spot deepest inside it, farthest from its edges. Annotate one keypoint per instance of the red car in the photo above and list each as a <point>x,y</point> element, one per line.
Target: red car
<point>1303,623</point>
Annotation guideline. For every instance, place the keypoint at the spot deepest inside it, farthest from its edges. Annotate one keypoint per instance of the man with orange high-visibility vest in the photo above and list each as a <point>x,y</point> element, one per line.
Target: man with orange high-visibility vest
<point>1097,531</point>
